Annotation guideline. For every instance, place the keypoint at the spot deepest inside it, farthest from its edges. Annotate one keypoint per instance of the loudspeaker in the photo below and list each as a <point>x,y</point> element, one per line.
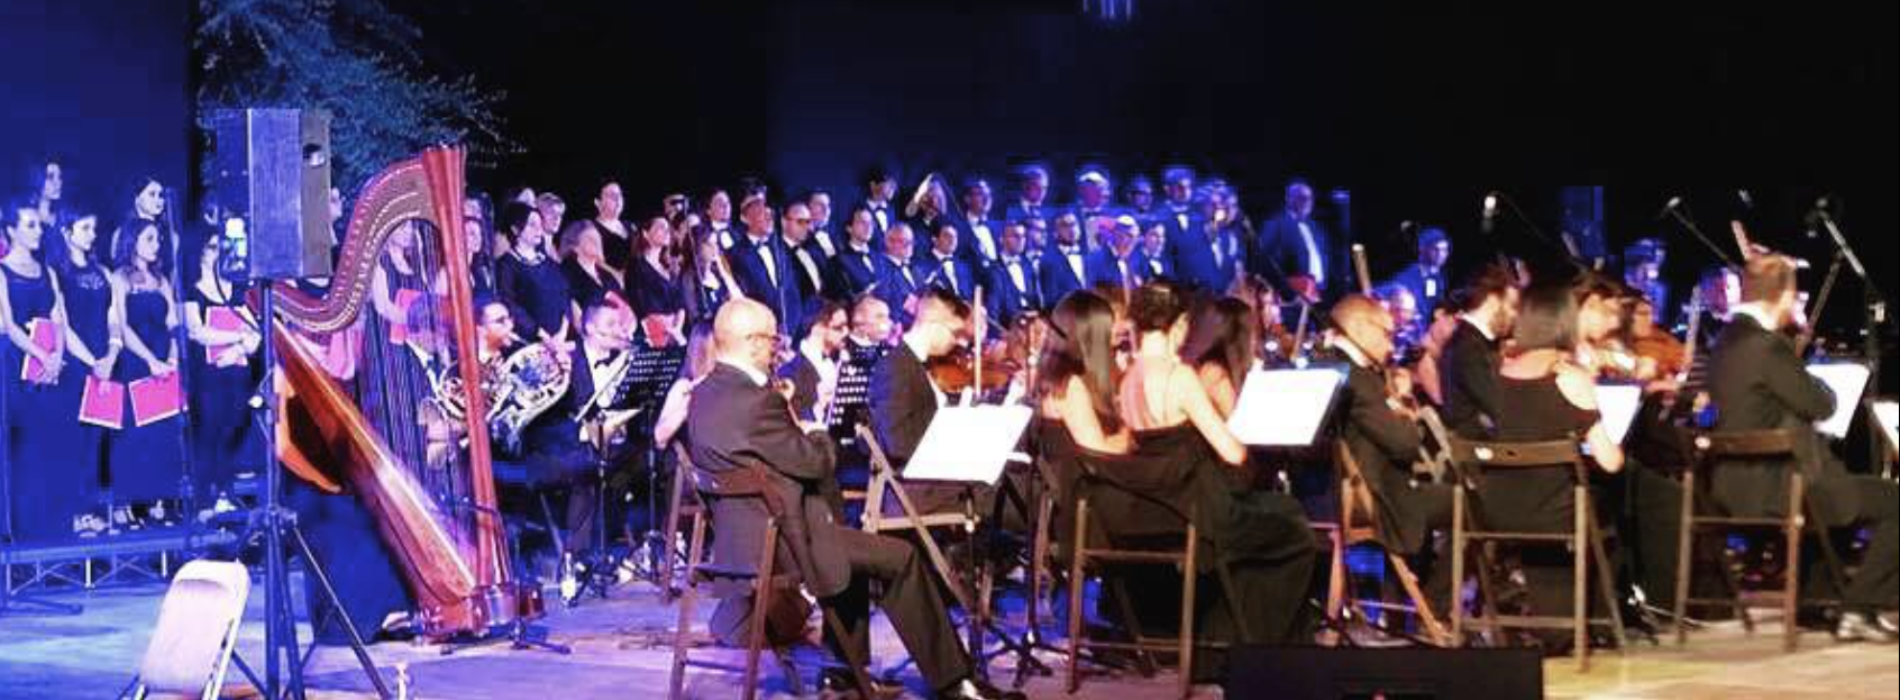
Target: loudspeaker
<point>1322,673</point>
<point>271,167</point>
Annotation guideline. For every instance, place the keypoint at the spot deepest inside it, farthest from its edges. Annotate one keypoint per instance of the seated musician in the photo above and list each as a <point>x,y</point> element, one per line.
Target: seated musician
<point>814,370</point>
<point>1542,395</point>
<point>904,397</point>
<point>1384,441</point>
<point>554,440</point>
<point>693,370</point>
<point>1220,348</point>
<point>1468,365</point>
<point>1759,383</point>
<point>739,424</point>
<point>1264,537</point>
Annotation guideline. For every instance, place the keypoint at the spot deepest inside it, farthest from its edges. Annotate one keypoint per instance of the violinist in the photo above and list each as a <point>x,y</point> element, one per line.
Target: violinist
<point>1276,341</point>
<point>904,396</point>
<point>1220,348</point>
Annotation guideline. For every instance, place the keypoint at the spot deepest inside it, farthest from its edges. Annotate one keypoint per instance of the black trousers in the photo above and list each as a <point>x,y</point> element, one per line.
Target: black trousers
<point>909,598</point>
<point>1877,507</point>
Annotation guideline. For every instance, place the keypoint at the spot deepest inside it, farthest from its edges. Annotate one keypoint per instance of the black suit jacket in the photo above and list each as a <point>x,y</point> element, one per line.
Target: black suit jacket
<point>734,426</point>
<point>902,403</point>
<point>1281,253</point>
<point>1384,445</point>
<point>1007,301</point>
<point>804,378</point>
<point>1757,382</point>
<point>748,266</point>
<point>1057,278</point>
<point>1468,369</point>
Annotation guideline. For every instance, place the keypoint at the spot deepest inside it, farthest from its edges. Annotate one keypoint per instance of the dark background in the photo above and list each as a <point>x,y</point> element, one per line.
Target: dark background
<point>1418,108</point>
<point>98,85</point>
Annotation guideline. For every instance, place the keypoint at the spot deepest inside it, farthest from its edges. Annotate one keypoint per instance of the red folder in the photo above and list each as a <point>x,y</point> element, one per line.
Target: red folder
<point>222,318</point>
<point>45,334</point>
<point>156,398</point>
<point>658,333</point>
<point>103,403</point>
<point>399,327</point>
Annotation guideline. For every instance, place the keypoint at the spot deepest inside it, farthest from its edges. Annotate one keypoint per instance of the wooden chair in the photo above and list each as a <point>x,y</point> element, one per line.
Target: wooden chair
<point>1359,524</point>
<point>1765,445</point>
<point>1583,539</point>
<point>196,636</point>
<point>1182,553</point>
<point>885,481</point>
<point>766,583</point>
<point>683,505</point>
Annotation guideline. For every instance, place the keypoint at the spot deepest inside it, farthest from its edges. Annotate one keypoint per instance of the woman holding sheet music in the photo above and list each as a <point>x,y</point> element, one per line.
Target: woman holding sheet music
<point>93,348</point>
<point>30,301</point>
<point>222,352</point>
<point>145,457</point>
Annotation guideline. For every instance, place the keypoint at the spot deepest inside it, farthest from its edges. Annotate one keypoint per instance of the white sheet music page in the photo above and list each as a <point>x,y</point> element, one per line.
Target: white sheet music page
<point>968,443</point>
<point>1619,403</point>
<point>1848,380</point>
<point>1888,414</point>
<point>1285,407</point>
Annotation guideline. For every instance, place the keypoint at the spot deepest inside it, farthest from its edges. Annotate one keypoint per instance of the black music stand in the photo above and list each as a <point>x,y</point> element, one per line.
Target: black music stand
<point>643,388</point>
<point>652,375</point>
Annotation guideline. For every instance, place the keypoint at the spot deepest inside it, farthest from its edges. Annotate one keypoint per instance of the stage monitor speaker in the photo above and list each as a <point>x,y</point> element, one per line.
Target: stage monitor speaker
<point>271,167</point>
<point>1323,673</point>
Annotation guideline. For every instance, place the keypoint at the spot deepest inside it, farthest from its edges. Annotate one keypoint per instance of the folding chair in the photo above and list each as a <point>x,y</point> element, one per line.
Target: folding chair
<point>1584,540</point>
<point>1765,445</point>
<point>198,622</point>
<point>683,504</point>
<point>1359,524</point>
<point>885,481</point>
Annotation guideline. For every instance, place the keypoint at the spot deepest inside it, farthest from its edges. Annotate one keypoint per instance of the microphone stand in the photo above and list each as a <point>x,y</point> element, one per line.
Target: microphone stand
<point>1676,212</point>
<point>1542,237</point>
<point>1875,316</point>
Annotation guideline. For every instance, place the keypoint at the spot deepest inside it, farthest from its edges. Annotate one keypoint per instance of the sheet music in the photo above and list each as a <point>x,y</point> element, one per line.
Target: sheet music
<point>1619,403</point>
<point>1887,413</point>
<point>1848,380</point>
<point>968,443</point>
<point>1285,407</point>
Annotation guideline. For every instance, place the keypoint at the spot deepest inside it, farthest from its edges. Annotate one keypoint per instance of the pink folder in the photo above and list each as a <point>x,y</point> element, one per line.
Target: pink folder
<point>103,403</point>
<point>222,318</point>
<point>156,398</point>
<point>45,334</point>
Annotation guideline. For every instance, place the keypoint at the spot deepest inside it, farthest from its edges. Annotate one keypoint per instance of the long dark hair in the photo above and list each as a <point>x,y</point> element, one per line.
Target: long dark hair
<point>1155,307</point>
<point>125,249</point>
<point>1221,332</point>
<point>1547,319</point>
<point>1082,344</point>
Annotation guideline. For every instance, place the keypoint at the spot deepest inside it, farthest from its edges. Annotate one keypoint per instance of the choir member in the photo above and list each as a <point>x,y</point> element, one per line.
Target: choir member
<point>553,211</point>
<point>763,266</point>
<point>977,241</point>
<point>1151,256</point>
<point>818,202</point>
<point>589,280</point>
<point>1064,266</point>
<point>656,281</point>
<point>811,266</point>
<point>880,187</point>
<point>1032,189</point>
<point>855,267</point>
<point>617,237</point>
<point>719,218</point>
<point>1759,383</point>
<point>897,282</point>
<point>1114,262</point>
<point>224,343</point>
<point>929,209</point>
<point>1206,254</point>
<point>93,340</point>
<point>146,462</point>
<point>530,279</point>
<point>1295,251</point>
<point>942,268</point>
<point>1092,191</point>
<point>1014,288</point>
<point>1139,199</point>
<point>1426,277</point>
<point>739,424</point>
<point>31,295</point>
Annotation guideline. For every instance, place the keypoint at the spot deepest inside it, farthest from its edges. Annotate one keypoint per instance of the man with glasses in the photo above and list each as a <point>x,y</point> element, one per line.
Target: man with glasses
<point>762,263</point>
<point>744,429</point>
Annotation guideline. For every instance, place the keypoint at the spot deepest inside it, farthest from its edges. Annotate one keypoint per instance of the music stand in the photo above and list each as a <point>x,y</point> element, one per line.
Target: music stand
<point>1285,408</point>
<point>652,375</point>
<point>1619,403</point>
<point>1848,380</point>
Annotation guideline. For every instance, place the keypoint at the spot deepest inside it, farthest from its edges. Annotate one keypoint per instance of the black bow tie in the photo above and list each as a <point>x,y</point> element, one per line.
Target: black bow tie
<point>605,361</point>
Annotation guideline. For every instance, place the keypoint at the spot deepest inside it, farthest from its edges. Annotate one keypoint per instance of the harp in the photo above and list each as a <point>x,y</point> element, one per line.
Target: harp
<point>363,371</point>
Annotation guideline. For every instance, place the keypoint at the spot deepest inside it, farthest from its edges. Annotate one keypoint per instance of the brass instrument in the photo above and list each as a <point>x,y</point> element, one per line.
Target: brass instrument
<point>523,387</point>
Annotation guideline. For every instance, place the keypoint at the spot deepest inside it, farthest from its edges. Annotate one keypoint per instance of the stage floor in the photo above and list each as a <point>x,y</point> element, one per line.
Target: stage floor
<point>620,651</point>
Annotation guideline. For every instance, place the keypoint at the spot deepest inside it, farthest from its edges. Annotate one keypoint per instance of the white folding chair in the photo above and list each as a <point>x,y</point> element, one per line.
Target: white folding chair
<point>197,630</point>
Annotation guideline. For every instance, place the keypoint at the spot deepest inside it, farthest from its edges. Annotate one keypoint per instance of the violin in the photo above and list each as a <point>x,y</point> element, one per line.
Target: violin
<point>956,372</point>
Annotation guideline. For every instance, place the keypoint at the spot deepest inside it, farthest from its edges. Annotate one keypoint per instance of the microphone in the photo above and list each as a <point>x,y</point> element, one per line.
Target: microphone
<point>1669,207</point>
<point>1490,212</point>
<point>1748,200</point>
<point>1817,216</point>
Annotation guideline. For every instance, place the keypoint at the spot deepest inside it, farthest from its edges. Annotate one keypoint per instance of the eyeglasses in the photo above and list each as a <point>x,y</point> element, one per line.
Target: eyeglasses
<point>762,338</point>
<point>802,222</point>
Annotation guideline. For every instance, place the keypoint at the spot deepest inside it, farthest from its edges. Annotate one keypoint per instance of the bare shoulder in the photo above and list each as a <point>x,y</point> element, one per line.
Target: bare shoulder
<point>1577,386</point>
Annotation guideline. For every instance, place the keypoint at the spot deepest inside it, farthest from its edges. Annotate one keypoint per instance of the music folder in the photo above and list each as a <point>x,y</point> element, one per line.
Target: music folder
<point>45,334</point>
<point>156,398</point>
<point>1887,413</point>
<point>1285,407</point>
<point>103,403</point>
<point>1848,380</point>
<point>1619,403</point>
<point>970,444</point>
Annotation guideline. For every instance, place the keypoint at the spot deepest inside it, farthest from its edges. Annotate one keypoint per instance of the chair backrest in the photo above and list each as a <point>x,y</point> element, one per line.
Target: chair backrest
<point>1482,455</point>
<point>197,623</point>
<point>1357,501</point>
<point>1151,513</point>
<point>1748,444</point>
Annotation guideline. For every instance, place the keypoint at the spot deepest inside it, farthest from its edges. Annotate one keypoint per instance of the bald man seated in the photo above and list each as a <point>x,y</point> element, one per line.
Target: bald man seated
<point>739,421</point>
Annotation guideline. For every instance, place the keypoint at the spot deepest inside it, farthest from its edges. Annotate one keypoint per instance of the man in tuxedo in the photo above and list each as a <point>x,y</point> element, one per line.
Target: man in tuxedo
<point>1138,199</point>
<point>1296,252</point>
<point>1426,278</point>
<point>818,202</point>
<point>744,430</point>
<point>1064,266</point>
<point>553,440</point>
<point>813,371</point>
<point>976,242</point>
<point>762,265</point>
<point>903,397</point>
<point>1177,210</point>
<point>1092,199</point>
<point>1759,383</point>
<point>855,266</point>
<point>1385,441</point>
<point>1642,271</point>
<point>1032,187</point>
<point>897,281</point>
<point>942,268</point>
<point>719,218</point>
<point>880,188</point>
<point>1115,265</point>
<point>1151,255</point>
<point>1468,364</point>
<point>1208,253</point>
<point>1013,289</point>
<point>810,264</point>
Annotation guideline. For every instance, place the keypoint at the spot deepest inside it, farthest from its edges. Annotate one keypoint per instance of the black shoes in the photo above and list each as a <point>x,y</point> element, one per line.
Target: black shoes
<point>972,689</point>
<point>1856,627</point>
<point>840,682</point>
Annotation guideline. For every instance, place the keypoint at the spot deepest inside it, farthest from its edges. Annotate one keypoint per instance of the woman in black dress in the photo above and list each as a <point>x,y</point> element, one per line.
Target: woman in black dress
<point>39,478</point>
<point>146,462</point>
<point>654,281</point>
<point>715,283</point>
<point>588,279</point>
<point>617,241</point>
<point>1076,401</point>
<point>94,338</point>
<point>1188,455</point>
<point>223,354</point>
<point>46,185</point>
<point>1544,395</point>
<point>148,209</point>
<point>530,280</point>
<point>481,262</point>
